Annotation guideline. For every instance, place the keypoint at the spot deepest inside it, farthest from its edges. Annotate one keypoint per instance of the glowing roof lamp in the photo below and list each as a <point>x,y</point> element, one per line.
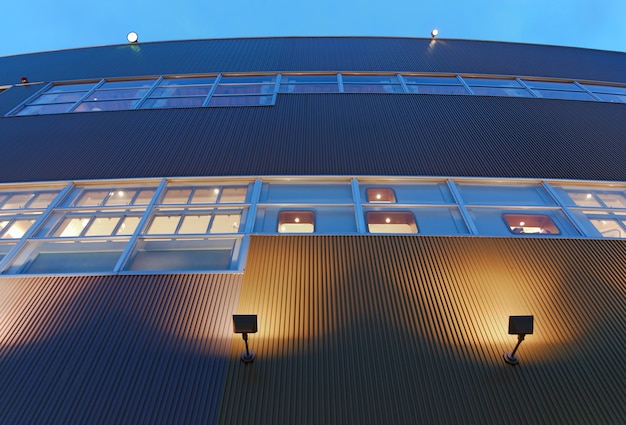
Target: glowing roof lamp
<point>132,37</point>
<point>434,33</point>
<point>520,326</point>
<point>245,324</point>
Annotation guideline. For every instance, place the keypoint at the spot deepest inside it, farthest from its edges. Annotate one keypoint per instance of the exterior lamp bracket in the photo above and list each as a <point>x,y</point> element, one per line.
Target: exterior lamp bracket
<point>244,324</point>
<point>520,326</point>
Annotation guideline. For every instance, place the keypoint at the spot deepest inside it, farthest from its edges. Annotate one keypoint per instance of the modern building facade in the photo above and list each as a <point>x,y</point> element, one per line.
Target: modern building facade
<point>383,205</point>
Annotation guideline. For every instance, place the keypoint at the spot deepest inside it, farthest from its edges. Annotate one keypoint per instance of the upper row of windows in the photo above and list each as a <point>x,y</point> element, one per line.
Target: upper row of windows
<point>261,90</point>
<point>178,225</point>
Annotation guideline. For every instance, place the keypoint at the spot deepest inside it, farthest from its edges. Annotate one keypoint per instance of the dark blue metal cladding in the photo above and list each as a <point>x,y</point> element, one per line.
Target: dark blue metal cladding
<point>316,54</point>
<point>326,134</point>
<point>15,95</point>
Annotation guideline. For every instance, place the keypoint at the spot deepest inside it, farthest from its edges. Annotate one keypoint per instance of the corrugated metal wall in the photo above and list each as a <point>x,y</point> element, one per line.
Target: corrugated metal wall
<point>332,134</point>
<point>133,349</point>
<point>316,54</point>
<point>412,330</point>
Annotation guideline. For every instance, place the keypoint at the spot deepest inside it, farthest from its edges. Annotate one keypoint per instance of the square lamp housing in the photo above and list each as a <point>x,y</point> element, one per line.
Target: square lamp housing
<point>244,323</point>
<point>520,325</point>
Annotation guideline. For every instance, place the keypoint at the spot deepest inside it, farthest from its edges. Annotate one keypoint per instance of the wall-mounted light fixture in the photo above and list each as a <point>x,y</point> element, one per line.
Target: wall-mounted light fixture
<point>434,33</point>
<point>245,324</point>
<point>520,326</point>
<point>132,37</point>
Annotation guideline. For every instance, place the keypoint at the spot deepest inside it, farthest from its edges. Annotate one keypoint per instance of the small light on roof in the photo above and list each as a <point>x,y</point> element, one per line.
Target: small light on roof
<point>132,37</point>
<point>434,33</point>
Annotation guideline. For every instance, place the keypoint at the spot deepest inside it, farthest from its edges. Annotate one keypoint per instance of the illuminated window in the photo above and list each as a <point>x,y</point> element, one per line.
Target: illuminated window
<point>382,195</point>
<point>391,222</point>
<point>296,222</point>
<point>530,224</point>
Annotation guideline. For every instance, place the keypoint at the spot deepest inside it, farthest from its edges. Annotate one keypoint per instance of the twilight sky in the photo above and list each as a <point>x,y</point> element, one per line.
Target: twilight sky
<point>40,25</point>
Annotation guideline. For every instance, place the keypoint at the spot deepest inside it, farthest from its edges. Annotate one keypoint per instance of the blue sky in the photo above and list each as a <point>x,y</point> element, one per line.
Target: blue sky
<point>40,25</point>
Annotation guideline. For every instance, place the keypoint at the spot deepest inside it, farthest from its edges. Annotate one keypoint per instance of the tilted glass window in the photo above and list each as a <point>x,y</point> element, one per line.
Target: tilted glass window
<point>557,90</point>
<point>309,84</point>
<point>371,84</point>
<point>296,222</point>
<point>181,92</point>
<point>608,93</point>
<point>390,222</point>
<point>244,91</point>
<point>496,87</point>
<point>434,85</point>
<point>530,224</point>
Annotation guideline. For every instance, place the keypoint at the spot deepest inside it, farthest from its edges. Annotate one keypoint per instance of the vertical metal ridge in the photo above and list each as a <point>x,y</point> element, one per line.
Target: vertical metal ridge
<point>115,349</point>
<point>383,329</point>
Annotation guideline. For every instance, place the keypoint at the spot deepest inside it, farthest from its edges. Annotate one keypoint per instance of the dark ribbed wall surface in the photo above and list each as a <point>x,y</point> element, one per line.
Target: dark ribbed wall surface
<point>316,54</point>
<point>412,330</point>
<point>87,350</point>
<point>332,134</point>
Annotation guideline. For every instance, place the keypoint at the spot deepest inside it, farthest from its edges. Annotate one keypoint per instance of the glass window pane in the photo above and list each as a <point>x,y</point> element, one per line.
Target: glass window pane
<point>570,95</point>
<point>177,196</point>
<point>120,197</point>
<point>431,80</point>
<point>16,229</point>
<point>370,79</point>
<point>128,226</point>
<point>55,108</point>
<point>176,102</point>
<point>226,223</point>
<point>198,224</point>
<point>250,89</point>
<point>390,222</point>
<point>257,79</point>
<point>500,91</point>
<point>128,83</point>
<point>596,88</point>
<point>92,198</point>
<point>382,195</point>
<point>552,85</point>
<point>144,197</point>
<point>42,199</point>
<point>201,91</point>
<point>17,201</point>
<point>298,79</point>
<point>372,88</point>
<point>530,223</point>
<point>183,255</point>
<point>102,226</point>
<point>74,257</point>
<point>116,105</point>
<point>165,225</point>
<point>328,220</point>
<point>493,82</point>
<point>71,227</point>
<point>296,222</point>
<point>82,87</point>
<point>187,81</point>
<point>233,194</point>
<point>48,98</point>
<point>241,101</point>
<point>612,97</point>
<point>610,227</point>
<point>437,89</point>
<point>613,200</point>
<point>206,195</point>
<point>526,195</point>
<point>309,88</point>
<point>100,95</point>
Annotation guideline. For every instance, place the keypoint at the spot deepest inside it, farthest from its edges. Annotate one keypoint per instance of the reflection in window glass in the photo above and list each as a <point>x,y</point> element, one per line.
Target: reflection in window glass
<point>610,227</point>
<point>527,195</point>
<point>380,194</point>
<point>15,229</point>
<point>390,222</point>
<point>205,254</point>
<point>530,224</point>
<point>296,222</point>
<point>197,224</point>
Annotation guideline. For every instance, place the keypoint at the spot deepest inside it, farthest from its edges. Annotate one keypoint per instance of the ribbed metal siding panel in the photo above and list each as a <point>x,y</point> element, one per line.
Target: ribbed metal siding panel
<point>316,54</point>
<point>15,95</point>
<point>326,134</point>
<point>412,330</point>
<point>142,349</point>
